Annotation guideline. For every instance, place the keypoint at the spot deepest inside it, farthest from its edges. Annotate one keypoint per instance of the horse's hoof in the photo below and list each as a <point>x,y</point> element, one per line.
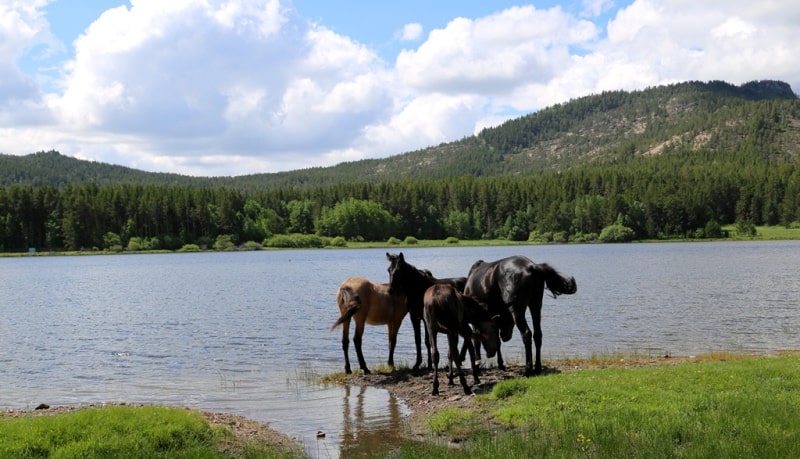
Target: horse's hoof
<point>501,366</point>
<point>468,391</point>
<point>366,371</point>
<point>348,371</point>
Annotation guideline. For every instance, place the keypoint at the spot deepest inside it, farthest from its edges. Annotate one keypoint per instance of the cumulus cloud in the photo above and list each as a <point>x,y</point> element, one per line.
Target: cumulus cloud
<point>225,88</point>
<point>22,29</point>
<point>411,32</point>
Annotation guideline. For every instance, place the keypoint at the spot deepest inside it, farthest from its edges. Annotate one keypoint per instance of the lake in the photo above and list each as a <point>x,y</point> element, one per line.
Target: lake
<point>243,332</point>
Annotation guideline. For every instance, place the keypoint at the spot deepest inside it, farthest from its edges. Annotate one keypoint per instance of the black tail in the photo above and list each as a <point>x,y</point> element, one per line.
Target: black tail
<point>555,282</point>
<point>347,296</point>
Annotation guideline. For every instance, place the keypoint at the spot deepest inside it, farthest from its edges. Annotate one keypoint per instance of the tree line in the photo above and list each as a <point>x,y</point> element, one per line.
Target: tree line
<point>685,193</point>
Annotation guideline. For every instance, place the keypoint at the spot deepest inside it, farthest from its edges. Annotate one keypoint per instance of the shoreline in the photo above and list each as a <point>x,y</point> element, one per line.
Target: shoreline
<point>413,388</point>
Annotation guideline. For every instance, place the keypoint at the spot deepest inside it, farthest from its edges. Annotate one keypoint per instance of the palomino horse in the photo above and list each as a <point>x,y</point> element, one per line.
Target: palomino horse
<point>367,302</point>
<point>510,286</point>
<point>446,310</point>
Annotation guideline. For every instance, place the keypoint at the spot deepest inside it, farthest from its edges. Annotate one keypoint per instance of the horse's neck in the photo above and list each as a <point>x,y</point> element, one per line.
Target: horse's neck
<point>420,282</point>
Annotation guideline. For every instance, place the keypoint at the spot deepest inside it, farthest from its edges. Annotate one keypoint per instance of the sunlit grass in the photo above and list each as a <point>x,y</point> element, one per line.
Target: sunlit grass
<point>719,405</point>
<point>123,431</point>
<point>767,233</point>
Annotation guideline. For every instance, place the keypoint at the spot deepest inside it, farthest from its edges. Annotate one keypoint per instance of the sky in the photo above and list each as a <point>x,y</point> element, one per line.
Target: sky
<point>235,87</point>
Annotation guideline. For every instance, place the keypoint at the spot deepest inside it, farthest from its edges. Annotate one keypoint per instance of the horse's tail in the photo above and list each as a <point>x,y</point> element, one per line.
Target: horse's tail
<point>347,296</point>
<point>555,282</point>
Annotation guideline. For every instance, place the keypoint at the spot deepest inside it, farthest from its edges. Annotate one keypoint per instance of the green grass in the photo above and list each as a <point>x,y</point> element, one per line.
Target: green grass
<point>122,431</point>
<point>770,233</point>
<point>748,407</point>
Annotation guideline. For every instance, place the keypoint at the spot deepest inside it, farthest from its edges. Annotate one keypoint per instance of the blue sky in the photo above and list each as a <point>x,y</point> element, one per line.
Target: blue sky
<point>211,87</point>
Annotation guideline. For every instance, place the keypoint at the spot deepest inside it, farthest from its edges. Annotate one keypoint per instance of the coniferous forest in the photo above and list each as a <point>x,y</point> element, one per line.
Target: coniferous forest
<point>672,161</point>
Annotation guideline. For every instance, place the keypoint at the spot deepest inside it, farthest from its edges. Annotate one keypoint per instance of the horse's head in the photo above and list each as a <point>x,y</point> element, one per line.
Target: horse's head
<point>397,276</point>
<point>487,331</point>
<point>406,279</point>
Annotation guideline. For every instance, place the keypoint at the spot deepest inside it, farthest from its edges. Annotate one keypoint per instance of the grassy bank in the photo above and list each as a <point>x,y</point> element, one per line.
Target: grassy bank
<point>744,407</point>
<point>128,431</point>
<point>763,233</point>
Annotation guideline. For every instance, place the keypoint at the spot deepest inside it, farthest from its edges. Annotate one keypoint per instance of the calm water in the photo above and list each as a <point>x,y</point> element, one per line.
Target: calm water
<point>237,332</point>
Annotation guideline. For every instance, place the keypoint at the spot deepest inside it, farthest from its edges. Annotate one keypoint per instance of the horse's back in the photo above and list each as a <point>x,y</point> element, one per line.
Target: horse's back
<point>442,305</point>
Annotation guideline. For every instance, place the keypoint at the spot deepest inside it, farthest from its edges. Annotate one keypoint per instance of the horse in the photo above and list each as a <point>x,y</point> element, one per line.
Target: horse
<point>367,302</point>
<point>510,286</point>
<point>446,310</point>
<point>412,282</point>
<point>458,282</point>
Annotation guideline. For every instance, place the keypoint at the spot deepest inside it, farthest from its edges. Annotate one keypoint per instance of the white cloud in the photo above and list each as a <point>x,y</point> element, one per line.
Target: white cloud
<point>493,54</point>
<point>411,32</point>
<point>22,29</point>
<point>227,88</point>
<point>593,8</point>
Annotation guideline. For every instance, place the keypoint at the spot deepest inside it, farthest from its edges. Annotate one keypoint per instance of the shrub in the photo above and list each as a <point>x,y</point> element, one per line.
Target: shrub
<point>295,241</point>
<point>616,233</point>
<point>411,240</point>
<point>451,240</point>
<point>745,228</point>
<point>394,241</point>
<point>224,242</point>
<point>251,245</point>
<point>338,241</point>
<point>189,248</point>
<point>712,229</point>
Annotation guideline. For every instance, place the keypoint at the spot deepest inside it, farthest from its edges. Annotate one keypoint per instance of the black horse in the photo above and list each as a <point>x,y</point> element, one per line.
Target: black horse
<point>510,286</point>
<point>448,311</point>
<point>407,280</point>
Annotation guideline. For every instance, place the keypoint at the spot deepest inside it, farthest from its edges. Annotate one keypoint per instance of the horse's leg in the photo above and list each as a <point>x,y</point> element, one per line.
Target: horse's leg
<point>393,329</point>
<point>470,347</point>
<point>427,345</point>
<point>525,332</point>
<point>346,346</point>
<point>357,341</point>
<point>450,374</point>
<point>415,320</point>
<point>435,352</point>
<point>476,347</point>
<point>536,318</point>
<point>452,338</point>
<point>500,364</point>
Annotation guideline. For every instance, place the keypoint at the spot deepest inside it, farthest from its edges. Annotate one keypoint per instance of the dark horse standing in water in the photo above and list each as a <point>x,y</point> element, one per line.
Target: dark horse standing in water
<point>407,280</point>
<point>510,286</point>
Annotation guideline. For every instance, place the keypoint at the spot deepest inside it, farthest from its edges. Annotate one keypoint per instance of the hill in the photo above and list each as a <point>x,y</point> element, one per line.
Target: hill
<point>598,129</point>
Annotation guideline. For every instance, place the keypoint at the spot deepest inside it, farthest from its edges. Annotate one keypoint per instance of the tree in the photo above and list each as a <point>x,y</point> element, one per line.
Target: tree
<point>354,218</point>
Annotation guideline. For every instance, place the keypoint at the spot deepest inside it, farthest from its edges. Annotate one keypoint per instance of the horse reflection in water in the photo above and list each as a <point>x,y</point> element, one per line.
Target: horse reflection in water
<point>367,303</point>
<point>361,437</point>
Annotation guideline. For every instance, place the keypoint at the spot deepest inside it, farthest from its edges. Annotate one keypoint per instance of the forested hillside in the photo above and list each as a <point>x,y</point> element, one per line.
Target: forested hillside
<point>678,160</point>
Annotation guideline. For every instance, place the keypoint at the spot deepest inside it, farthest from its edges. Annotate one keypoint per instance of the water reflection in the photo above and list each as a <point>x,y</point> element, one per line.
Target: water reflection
<point>364,434</point>
<point>370,424</point>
